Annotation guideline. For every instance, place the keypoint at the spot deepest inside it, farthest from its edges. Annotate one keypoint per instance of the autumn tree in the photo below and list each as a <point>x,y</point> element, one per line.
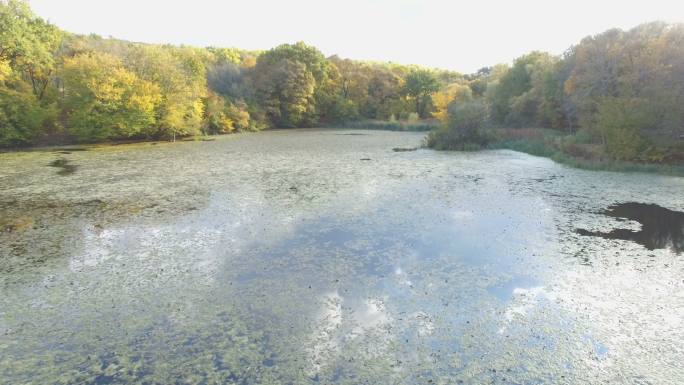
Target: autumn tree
<point>627,87</point>
<point>180,74</point>
<point>384,94</point>
<point>454,92</point>
<point>103,100</point>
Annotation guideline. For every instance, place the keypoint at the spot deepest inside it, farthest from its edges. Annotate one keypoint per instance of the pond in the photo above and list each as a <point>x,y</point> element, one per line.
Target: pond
<point>318,257</point>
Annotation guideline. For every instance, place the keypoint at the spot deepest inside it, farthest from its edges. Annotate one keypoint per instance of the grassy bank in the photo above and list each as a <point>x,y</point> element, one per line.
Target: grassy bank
<point>75,146</point>
<point>60,142</point>
<point>577,150</point>
<point>396,125</point>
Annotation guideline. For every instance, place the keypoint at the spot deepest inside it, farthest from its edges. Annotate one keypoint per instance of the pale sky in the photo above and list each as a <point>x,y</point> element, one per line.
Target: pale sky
<point>456,35</point>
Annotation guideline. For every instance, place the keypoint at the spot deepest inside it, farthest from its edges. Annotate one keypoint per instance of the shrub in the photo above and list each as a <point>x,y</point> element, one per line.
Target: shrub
<point>463,129</point>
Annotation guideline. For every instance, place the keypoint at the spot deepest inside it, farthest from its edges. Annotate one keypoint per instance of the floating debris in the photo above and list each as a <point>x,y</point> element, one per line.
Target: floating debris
<point>16,225</point>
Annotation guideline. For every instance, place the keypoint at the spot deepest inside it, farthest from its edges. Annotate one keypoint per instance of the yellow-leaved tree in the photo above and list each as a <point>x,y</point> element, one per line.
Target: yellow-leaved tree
<point>104,100</point>
<point>5,70</point>
<point>441,99</point>
<point>181,76</point>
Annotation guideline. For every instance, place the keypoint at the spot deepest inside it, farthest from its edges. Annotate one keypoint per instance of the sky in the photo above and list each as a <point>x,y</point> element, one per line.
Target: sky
<point>456,35</point>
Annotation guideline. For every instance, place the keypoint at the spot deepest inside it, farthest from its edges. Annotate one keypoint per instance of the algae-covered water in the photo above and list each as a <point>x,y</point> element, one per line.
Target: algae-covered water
<point>325,257</point>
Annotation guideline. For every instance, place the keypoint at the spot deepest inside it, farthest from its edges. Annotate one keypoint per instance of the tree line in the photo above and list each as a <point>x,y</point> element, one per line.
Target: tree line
<point>623,90</point>
<point>55,85</point>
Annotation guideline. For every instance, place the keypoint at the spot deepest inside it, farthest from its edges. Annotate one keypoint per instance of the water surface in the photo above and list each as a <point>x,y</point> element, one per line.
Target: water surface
<point>660,228</point>
<point>315,257</point>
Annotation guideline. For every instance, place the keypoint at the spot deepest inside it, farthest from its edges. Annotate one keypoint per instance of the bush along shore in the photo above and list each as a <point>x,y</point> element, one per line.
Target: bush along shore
<point>576,150</point>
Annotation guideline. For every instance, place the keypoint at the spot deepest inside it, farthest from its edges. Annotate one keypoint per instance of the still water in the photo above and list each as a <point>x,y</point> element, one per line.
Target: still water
<point>319,257</point>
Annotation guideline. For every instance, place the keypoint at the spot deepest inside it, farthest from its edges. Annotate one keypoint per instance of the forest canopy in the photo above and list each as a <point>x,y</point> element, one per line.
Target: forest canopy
<point>621,89</point>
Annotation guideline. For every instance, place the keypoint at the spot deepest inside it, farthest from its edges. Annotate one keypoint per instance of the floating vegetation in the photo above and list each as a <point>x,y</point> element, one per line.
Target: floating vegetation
<point>279,257</point>
<point>16,224</point>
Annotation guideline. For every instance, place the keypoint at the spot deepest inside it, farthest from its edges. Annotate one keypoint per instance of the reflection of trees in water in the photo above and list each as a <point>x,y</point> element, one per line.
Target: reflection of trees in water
<point>660,227</point>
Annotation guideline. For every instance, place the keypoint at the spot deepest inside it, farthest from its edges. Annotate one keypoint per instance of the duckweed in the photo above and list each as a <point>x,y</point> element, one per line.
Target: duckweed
<point>280,258</point>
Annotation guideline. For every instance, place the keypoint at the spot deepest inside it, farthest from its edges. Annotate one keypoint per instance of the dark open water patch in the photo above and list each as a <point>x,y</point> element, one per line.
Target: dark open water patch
<point>64,166</point>
<point>661,228</point>
<point>74,149</point>
<point>70,150</point>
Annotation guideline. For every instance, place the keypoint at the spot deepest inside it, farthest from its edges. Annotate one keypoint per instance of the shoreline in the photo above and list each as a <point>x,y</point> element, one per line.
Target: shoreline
<point>543,151</point>
<point>530,147</point>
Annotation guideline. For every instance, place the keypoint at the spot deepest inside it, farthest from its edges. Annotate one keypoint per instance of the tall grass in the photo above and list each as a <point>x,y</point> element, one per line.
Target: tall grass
<point>575,150</point>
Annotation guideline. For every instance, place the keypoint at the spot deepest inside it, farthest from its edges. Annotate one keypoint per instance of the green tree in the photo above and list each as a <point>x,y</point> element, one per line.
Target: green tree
<point>27,44</point>
<point>419,85</point>
<point>22,117</point>
<point>510,98</point>
<point>291,82</point>
<point>286,91</point>
<point>619,122</point>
